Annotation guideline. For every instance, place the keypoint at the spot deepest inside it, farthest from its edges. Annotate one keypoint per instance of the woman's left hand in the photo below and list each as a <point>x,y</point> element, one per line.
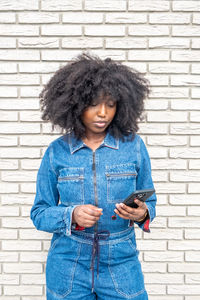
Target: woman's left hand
<point>129,213</point>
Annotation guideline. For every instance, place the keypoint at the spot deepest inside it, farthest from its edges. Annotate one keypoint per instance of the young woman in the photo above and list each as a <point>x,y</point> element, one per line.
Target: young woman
<point>84,177</point>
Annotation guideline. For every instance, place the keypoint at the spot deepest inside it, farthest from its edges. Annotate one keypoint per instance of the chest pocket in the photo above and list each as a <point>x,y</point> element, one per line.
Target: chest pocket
<point>121,181</point>
<point>71,186</point>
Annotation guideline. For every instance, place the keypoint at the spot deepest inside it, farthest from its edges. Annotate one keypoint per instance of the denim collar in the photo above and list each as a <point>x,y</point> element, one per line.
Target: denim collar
<point>76,144</point>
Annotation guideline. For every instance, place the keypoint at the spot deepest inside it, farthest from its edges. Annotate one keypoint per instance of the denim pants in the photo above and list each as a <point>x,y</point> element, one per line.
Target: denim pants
<point>117,271</point>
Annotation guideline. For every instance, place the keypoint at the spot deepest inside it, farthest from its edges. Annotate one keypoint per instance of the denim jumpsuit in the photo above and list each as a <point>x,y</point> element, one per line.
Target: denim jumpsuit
<point>100,262</point>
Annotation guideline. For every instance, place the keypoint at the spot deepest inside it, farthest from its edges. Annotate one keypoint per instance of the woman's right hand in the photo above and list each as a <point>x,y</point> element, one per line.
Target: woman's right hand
<point>86,215</point>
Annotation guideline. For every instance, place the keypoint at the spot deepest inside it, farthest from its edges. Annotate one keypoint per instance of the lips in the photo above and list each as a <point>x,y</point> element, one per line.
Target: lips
<point>100,124</point>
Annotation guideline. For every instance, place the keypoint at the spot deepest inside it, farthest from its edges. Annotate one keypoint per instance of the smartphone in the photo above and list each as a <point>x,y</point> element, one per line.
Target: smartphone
<point>141,195</point>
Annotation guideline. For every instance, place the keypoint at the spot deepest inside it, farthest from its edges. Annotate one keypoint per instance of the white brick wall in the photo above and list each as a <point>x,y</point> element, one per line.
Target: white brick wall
<point>160,38</point>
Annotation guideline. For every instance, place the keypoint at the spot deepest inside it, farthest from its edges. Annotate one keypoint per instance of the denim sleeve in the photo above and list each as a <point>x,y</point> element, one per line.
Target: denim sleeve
<point>144,180</point>
<point>46,214</point>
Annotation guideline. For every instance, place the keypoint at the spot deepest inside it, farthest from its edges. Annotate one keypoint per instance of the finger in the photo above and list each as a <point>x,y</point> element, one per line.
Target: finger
<point>127,208</point>
<point>121,215</point>
<point>140,203</point>
<point>122,211</point>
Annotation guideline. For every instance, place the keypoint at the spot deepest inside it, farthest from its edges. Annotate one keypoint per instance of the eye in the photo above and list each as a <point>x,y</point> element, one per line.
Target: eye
<point>111,104</point>
<point>93,104</point>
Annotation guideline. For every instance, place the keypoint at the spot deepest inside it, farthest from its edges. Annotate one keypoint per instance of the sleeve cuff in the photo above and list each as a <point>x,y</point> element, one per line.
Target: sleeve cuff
<point>68,219</point>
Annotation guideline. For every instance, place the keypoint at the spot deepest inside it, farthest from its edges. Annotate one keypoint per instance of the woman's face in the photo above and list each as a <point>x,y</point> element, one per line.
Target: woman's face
<point>98,116</point>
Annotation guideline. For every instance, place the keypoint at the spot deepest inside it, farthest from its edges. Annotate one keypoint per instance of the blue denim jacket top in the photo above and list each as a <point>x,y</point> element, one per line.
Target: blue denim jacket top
<point>72,174</point>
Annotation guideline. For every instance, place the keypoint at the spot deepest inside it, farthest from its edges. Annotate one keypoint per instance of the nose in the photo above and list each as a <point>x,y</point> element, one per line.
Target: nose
<point>102,110</point>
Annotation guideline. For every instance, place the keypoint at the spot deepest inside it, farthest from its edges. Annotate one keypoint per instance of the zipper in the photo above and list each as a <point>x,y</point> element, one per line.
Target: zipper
<point>123,174</point>
<point>70,178</point>
<point>95,186</point>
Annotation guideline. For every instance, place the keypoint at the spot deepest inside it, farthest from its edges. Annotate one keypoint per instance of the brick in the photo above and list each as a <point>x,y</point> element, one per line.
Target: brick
<point>194,164</point>
<point>184,153</point>
<point>185,5</point>
<point>158,80</point>
<point>195,44</point>
<point>184,267</point>
<point>192,278</point>
<point>8,257</point>
<point>30,92</point>
<point>150,246</point>
<point>8,115</point>
<point>104,30</point>
<point>33,279</point>
<point>19,55</point>
<point>27,79</point>
<point>168,164</point>
<point>7,17</point>
<point>195,140</point>
<point>185,105</point>
<point>25,211</point>
<point>59,5</point>
<point>19,30</point>
<point>191,297</point>
<point>185,31</point>
<point>38,17</point>
<point>184,55</point>
<point>148,55</point>
<point>148,128</point>
<point>185,176</point>
<point>193,188</point>
<point>33,298</point>
<point>8,187</point>
<point>169,43</point>
<point>23,268</point>
<point>159,176</point>
<point>159,222</point>
<point>107,5</point>
<point>16,104</point>
<point>19,128</point>
<point>165,256</point>
<point>156,105</point>
<point>166,116</point>
<point>169,18</point>
<point>157,152</point>
<point>7,164</point>
<point>139,66</point>
<point>148,30</point>
<point>7,43</point>
<point>18,246</point>
<point>170,68</point>
<point>172,92</point>
<point>82,42</point>
<point>192,234</point>
<point>8,67</point>
<point>185,80</point>
<point>126,43</point>
<point>196,18</point>
<point>170,188</point>
<point>155,289</point>
<point>154,267</point>
<point>19,176</point>
<point>192,256</point>
<point>9,279</point>
<point>7,234</point>
<point>171,211</point>
<point>21,5</point>
<point>10,297</point>
<point>169,234</point>
<point>19,153</point>
<point>160,140</point>
<point>125,18</point>
<point>195,92</point>
<point>194,116</point>
<point>82,18</point>
<point>168,297</point>
<point>183,245</point>
<point>19,222</point>
<point>184,290</point>
<point>8,141</point>
<point>194,211</point>
<point>17,199</point>
<point>25,234</point>
<point>184,199</point>
<point>30,164</point>
<point>186,222</point>
<point>28,188</point>
<point>33,257</point>
<point>7,93</point>
<point>64,55</point>
<point>38,67</point>
<point>38,42</point>
<point>9,211</point>
<point>23,290</point>
<point>33,116</point>
<point>61,30</point>
<point>185,129</point>
<point>42,140</point>
<point>164,278</point>
<point>146,5</point>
